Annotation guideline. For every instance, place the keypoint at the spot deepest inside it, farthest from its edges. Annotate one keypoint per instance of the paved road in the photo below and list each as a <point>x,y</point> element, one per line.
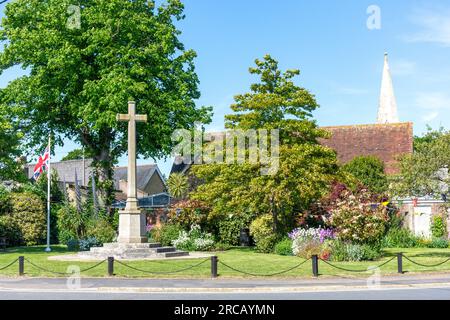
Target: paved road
<point>421,286</point>
<point>392,294</point>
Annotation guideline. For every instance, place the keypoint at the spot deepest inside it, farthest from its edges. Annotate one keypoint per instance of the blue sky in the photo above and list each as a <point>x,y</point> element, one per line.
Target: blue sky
<point>339,57</point>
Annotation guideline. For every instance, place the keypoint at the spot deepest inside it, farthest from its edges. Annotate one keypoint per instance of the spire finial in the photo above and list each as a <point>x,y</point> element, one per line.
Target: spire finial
<point>387,109</point>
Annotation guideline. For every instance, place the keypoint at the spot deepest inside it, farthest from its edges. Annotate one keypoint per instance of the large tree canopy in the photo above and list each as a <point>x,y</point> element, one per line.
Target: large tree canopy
<point>305,170</point>
<point>82,75</point>
<point>368,170</point>
<point>9,149</point>
<point>426,171</point>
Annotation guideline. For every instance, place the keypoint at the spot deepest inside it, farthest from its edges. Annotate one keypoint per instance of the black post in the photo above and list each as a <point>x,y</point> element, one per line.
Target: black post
<point>21,265</point>
<point>110,266</point>
<point>214,261</point>
<point>400,262</point>
<point>315,265</point>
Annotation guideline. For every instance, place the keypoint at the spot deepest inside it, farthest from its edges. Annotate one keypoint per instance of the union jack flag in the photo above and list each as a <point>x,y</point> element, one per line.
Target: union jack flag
<point>42,164</point>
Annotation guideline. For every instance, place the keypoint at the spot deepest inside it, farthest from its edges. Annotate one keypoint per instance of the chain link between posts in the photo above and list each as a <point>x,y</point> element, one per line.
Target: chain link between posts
<point>426,265</point>
<point>360,270</point>
<point>160,272</point>
<point>263,275</point>
<point>10,264</point>
<point>63,273</point>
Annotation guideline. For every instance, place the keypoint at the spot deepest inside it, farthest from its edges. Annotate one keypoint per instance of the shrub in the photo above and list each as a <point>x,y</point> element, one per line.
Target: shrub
<point>371,251</point>
<point>10,230</point>
<point>5,201</point>
<point>423,242</point>
<point>230,229</point>
<point>166,233</point>
<point>221,246</point>
<point>354,252</point>
<point>101,230</point>
<point>262,232</point>
<point>194,240</point>
<point>70,224</point>
<point>73,245</point>
<point>439,243</point>
<point>399,238</point>
<point>370,171</point>
<point>86,244</point>
<point>188,213</point>
<point>28,215</point>
<point>438,227</point>
<point>344,251</point>
<point>284,248</point>
<point>357,220</point>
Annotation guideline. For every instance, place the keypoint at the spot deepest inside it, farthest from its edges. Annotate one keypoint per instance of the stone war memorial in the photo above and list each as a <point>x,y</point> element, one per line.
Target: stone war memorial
<point>132,242</point>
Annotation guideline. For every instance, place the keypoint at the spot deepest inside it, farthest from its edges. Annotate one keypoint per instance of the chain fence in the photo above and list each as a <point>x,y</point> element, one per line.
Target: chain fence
<point>360,270</point>
<point>9,265</point>
<point>160,272</point>
<point>214,266</point>
<point>426,265</point>
<point>63,273</point>
<point>263,275</point>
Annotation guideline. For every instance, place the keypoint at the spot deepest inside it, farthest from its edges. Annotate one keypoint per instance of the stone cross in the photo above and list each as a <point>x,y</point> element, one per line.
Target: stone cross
<point>131,220</point>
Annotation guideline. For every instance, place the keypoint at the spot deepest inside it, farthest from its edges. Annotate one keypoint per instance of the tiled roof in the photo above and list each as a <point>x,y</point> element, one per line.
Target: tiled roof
<point>143,173</point>
<point>66,171</point>
<point>385,141</point>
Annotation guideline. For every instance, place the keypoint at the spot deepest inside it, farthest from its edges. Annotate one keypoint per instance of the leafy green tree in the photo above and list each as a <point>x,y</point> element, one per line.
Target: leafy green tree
<point>178,185</point>
<point>82,75</point>
<point>10,139</point>
<point>431,135</point>
<point>426,171</point>
<point>369,170</point>
<point>76,154</point>
<point>306,168</point>
<point>56,194</point>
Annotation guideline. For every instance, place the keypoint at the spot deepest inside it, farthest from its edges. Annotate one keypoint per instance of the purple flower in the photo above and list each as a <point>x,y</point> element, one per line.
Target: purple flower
<point>149,227</point>
<point>325,234</point>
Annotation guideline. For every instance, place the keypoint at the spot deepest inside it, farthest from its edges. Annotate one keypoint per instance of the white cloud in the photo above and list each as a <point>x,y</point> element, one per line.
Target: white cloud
<point>434,26</point>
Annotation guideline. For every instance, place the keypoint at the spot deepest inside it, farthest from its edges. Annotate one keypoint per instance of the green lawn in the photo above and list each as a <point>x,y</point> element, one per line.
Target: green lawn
<point>244,259</point>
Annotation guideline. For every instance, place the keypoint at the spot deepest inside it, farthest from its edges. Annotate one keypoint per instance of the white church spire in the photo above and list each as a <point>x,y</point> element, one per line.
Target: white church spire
<point>387,109</point>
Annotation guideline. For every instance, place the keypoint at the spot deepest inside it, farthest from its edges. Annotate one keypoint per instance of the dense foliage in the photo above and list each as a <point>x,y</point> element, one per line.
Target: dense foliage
<point>166,233</point>
<point>10,143</point>
<point>78,226</point>
<point>284,247</point>
<point>25,220</point>
<point>369,170</point>
<point>194,240</point>
<point>358,219</point>
<point>425,172</point>
<point>305,169</point>
<point>82,74</point>
<point>189,212</point>
<point>261,229</point>
<point>76,154</point>
<point>438,227</point>
<point>178,185</point>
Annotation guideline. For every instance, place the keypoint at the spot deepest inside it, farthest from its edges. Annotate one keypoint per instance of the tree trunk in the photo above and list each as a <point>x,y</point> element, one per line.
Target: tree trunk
<point>103,166</point>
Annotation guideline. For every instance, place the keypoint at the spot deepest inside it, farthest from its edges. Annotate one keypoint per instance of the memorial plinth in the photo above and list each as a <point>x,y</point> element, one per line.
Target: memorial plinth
<point>132,239</point>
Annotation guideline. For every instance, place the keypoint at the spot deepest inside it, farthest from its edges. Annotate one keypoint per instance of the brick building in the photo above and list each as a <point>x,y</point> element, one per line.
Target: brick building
<point>385,141</point>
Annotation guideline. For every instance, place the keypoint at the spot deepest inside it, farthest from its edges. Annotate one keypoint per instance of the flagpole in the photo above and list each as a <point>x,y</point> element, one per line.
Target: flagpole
<point>48,249</point>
